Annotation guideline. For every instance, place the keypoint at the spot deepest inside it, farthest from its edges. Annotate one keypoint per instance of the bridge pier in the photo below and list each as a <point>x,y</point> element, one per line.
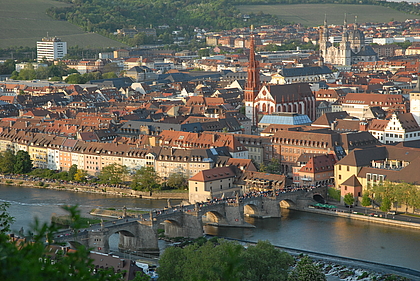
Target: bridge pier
<point>182,225</point>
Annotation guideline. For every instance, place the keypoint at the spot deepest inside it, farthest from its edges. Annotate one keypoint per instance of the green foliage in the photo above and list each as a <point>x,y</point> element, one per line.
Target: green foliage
<point>403,193</point>
<point>334,193</point>
<point>72,172</point>
<point>272,167</point>
<point>113,174</point>
<point>179,15</point>
<point>404,44</point>
<point>33,262</point>
<point>306,270</point>
<point>23,162</point>
<point>7,67</point>
<point>77,78</point>
<point>223,260</point>
<point>5,219</point>
<point>349,199</point>
<point>385,204</point>
<point>177,181</point>
<point>7,161</point>
<point>366,199</point>
<point>145,179</point>
<point>42,72</point>
<point>264,262</point>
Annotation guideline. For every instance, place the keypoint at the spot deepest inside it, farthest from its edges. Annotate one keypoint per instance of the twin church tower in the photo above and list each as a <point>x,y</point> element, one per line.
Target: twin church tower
<point>351,50</point>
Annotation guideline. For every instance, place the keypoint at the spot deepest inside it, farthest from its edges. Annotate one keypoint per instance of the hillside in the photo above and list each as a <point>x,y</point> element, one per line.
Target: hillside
<point>23,22</point>
<point>313,14</point>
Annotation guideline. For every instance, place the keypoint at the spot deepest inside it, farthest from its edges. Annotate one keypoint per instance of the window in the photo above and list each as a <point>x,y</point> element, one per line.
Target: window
<point>339,167</point>
<point>339,177</point>
<point>348,168</point>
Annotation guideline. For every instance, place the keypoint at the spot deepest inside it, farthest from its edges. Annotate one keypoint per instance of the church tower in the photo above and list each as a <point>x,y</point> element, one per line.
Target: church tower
<point>415,100</point>
<point>344,57</point>
<point>324,42</point>
<point>252,83</point>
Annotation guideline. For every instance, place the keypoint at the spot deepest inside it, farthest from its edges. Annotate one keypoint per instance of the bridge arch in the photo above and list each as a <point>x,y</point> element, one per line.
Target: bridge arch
<point>251,210</point>
<point>319,198</point>
<point>120,239</point>
<point>173,228</point>
<point>214,217</point>
<point>287,204</point>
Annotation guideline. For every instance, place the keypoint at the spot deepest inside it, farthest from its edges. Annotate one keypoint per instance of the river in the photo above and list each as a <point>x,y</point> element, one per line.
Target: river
<point>299,230</point>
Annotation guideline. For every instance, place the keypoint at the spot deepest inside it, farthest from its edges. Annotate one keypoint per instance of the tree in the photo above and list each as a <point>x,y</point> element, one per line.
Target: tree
<point>109,75</point>
<point>72,172</point>
<point>224,260</point>
<point>406,194</point>
<point>80,175</point>
<point>203,52</point>
<point>264,262</point>
<point>75,78</point>
<point>34,262</point>
<point>273,167</point>
<point>366,200</point>
<point>23,163</point>
<point>349,199</point>
<point>7,161</point>
<point>5,219</point>
<point>385,204</point>
<point>306,270</point>
<point>145,179</point>
<point>177,181</point>
<point>113,174</point>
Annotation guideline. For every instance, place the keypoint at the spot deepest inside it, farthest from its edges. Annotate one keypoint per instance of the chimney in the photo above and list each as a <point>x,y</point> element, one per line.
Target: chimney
<point>363,126</point>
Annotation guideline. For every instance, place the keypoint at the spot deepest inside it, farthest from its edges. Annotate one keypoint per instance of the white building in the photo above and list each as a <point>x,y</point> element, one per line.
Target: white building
<point>50,48</point>
<point>401,127</point>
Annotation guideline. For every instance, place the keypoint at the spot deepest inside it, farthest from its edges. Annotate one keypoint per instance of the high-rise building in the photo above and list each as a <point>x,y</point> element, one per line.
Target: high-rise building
<point>51,48</point>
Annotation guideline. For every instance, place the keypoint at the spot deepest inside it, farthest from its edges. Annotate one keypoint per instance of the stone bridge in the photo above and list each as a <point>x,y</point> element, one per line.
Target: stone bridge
<point>141,234</point>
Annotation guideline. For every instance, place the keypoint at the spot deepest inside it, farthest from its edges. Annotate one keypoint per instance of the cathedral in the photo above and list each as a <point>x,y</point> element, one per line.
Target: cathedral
<point>265,99</point>
<point>351,50</point>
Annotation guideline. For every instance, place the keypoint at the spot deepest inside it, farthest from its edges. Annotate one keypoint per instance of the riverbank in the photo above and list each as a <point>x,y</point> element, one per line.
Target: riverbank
<point>386,221</point>
<point>93,188</point>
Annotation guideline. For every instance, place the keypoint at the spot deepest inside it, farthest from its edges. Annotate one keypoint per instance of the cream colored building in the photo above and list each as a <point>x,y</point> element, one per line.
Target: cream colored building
<point>212,183</point>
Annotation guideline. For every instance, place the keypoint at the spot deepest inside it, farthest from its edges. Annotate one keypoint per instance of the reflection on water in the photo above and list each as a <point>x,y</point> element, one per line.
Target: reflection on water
<point>332,235</point>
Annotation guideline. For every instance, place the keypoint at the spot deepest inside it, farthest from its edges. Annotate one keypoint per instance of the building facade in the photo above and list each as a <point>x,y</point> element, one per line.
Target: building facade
<point>50,48</point>
<point>351,50</point>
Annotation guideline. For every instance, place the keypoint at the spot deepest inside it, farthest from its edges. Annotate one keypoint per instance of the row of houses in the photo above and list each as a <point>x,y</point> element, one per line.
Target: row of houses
<point>60,153</point>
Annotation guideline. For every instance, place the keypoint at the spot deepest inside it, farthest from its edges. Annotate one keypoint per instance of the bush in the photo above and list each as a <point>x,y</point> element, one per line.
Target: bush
<point>334,193</point>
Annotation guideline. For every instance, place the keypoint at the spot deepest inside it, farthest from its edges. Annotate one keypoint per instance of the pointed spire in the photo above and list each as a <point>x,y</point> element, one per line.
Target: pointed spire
<point>325,20</point>
<point>355,23</point>
<point>345,19</point>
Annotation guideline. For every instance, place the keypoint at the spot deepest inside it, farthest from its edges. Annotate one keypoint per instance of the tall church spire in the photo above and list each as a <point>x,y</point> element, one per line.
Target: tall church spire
<point>253,71</point>
<point>345,23</point>
<point>253,79</point>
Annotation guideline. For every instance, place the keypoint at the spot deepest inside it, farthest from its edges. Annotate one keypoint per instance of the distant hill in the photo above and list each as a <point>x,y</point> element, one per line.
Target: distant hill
<point>313,14</point>
<point>23,22</point>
